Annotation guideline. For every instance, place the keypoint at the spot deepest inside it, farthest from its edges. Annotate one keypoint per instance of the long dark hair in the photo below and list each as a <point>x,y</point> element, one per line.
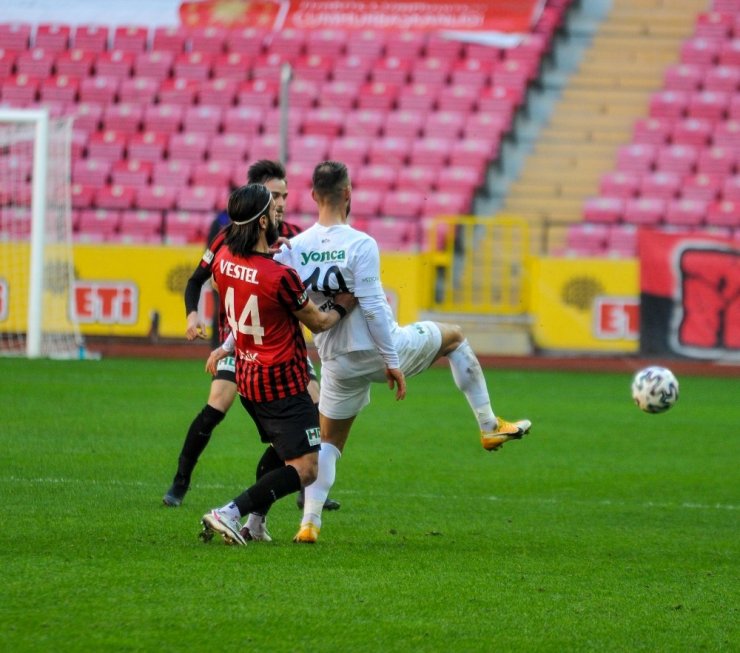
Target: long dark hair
<point>247,204</point>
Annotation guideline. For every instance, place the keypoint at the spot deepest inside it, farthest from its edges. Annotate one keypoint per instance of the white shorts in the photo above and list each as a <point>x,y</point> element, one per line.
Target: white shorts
<point>346,379</point>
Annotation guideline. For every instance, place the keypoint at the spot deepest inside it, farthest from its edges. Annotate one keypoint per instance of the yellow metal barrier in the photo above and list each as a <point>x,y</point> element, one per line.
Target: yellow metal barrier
<point>477,265</point>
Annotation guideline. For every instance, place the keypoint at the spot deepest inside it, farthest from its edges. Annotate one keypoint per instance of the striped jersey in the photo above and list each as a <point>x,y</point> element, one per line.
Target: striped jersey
<point>258,298</point>
<point>203,272</point>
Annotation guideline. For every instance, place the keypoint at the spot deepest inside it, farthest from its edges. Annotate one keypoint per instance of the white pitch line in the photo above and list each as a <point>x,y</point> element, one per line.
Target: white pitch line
<point>686,505</point>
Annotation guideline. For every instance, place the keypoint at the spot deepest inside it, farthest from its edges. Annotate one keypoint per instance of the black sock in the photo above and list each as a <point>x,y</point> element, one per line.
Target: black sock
<point>269,461</point>
<point>196,441</point>
<point>271,487</point>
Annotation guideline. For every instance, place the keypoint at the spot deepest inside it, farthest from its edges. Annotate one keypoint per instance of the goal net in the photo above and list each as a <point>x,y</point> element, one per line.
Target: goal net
<point>36,255</point>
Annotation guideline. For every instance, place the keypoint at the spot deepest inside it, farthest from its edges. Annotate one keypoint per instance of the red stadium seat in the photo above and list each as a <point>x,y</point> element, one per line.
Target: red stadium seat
<point>418,96</point>
<point>313,68</point>
<point>115,196</point>
<point>309,149</point>
<point>172,174</point>
<point>304,93</point>
<point>130,38</point>
<point>692,131</point>
<point>376,176</point>
<point>147,146</point>
<point>75,63</point>
<point>407,44</point>
<point>389,150</point>
<point>711,105</point>
<point>171,40</point>
<point>723,79</point>
<point>91,38</point>
<point>377,95</point>
<point>131,173</point>
<point>404,123</point>
<point>636,157</point>
<point>352,150</point>
<point>392,234</point>
<point>677,158</point>
<point>703,187</point>
<point>354,69</point>
<point>662,184</point>
<point>402,203</point>
<point>143,90</point>
<point>390,70</point>
<point>202,119</point>
<point>327,42</point>
<point>464,98</point>
<point>87,116</point>
<point>364,122</point>
<point>20,90</point>
<point>289,43</point>
<point>366,202</point>
<point>700,51</point>
<point>116,63</point>
<point>124,118</point>
<point>247,40</point>
<point>608,210</point>
<point>234,66</point>
<point>163,118</point>
<point>431,151</point>
<point>209,39</point>
<point>717,160</point>
<point>229,147</point>
<point>178,91</point>
<point>644,211</point>
<point>486,126</point>
<point>156,65</point>
<point>417,178</point>
<point>243,120</point>
<point>367,43</point>
<point>446,203</point>
<point>299,174</point>
<point>619,184</point>
<point>445,124</point>
<point>265,146</point>
<point>99,221</point>
<point>652,131</point>
<point>731,188</point>
<point>193,66</point>
<point>459,179</point>
<point>7,62</point>
<point>684,77</point>
<point>325,121</point>
<point>338,95</point>
<point>258,93</point>
<point>83,197</point>
<point>141,222</point>
<point>35,63</point>
<point>61,88</point>
<point>622,240</point>
<point>185,227</point>
<point>438,45</point>
<point>686,212</point>
<point>91,172</point>
<point>587,239</point>
<point>472,153</point>
<point>99,89</point>
<point>157,198</point>
<point>729,53</point>
<point>668,104</point>
<point>212,173</point>
<point>107,145</point>
<point>724,214</point>
<point>188,146</point>
<point>432,70</point>
<point>15,36</point>
<point>713,25</point>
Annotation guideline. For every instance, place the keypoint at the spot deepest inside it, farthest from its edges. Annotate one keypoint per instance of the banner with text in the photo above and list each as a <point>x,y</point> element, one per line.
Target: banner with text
<point>689,295</point>
<point>474,19</point>
<point>585,305</point>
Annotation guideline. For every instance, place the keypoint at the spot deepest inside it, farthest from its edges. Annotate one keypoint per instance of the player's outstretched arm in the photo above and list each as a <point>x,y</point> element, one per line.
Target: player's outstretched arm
<point>317,321</point>
<point>397,380</point>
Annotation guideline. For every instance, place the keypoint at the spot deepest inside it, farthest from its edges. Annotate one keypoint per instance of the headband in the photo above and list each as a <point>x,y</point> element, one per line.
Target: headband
<point>254,217</point>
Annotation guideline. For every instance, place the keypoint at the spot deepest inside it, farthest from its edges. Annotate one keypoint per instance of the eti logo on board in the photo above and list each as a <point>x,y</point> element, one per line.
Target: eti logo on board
<point>617,318</point>
<point>105,302</point>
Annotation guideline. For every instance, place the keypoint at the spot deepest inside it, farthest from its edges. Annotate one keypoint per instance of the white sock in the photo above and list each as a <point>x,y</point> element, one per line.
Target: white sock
<point>317,492</point>
<point>468,375</point>
<point>254,521</point>
<point>231,511</point>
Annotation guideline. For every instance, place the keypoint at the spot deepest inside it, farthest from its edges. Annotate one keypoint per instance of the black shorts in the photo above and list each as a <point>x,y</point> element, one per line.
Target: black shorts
<point>290,425</point>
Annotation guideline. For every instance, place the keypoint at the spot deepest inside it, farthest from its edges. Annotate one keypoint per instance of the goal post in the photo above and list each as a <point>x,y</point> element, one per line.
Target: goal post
<point>37,258</point>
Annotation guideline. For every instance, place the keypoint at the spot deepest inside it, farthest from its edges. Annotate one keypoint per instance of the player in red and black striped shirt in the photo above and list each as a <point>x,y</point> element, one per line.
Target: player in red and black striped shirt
<point>223,385</point>
<point>265,303</point>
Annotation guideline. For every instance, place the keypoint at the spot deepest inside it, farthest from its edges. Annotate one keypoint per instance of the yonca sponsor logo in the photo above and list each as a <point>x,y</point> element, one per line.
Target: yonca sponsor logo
<point>322,257</point>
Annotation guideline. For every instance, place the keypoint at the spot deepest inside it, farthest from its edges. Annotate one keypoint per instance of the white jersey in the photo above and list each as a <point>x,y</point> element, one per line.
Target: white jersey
<point>341,259</point>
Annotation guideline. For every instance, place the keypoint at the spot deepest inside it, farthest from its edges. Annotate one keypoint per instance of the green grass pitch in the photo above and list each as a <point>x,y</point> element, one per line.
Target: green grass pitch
<point>605,529</point>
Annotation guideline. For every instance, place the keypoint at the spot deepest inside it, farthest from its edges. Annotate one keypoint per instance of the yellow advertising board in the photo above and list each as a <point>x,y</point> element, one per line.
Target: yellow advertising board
<point>125,290</point>
<point>585,305</point>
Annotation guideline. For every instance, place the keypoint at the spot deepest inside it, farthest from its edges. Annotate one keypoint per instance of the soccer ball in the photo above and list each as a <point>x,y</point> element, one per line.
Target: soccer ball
<point>655,389</point>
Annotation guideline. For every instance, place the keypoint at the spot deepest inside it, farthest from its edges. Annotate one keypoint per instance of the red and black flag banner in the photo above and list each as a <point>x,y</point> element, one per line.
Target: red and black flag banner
<point>689,296</point>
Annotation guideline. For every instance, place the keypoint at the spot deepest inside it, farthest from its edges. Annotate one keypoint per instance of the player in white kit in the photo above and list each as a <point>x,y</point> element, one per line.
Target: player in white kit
<point>369,346</point>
